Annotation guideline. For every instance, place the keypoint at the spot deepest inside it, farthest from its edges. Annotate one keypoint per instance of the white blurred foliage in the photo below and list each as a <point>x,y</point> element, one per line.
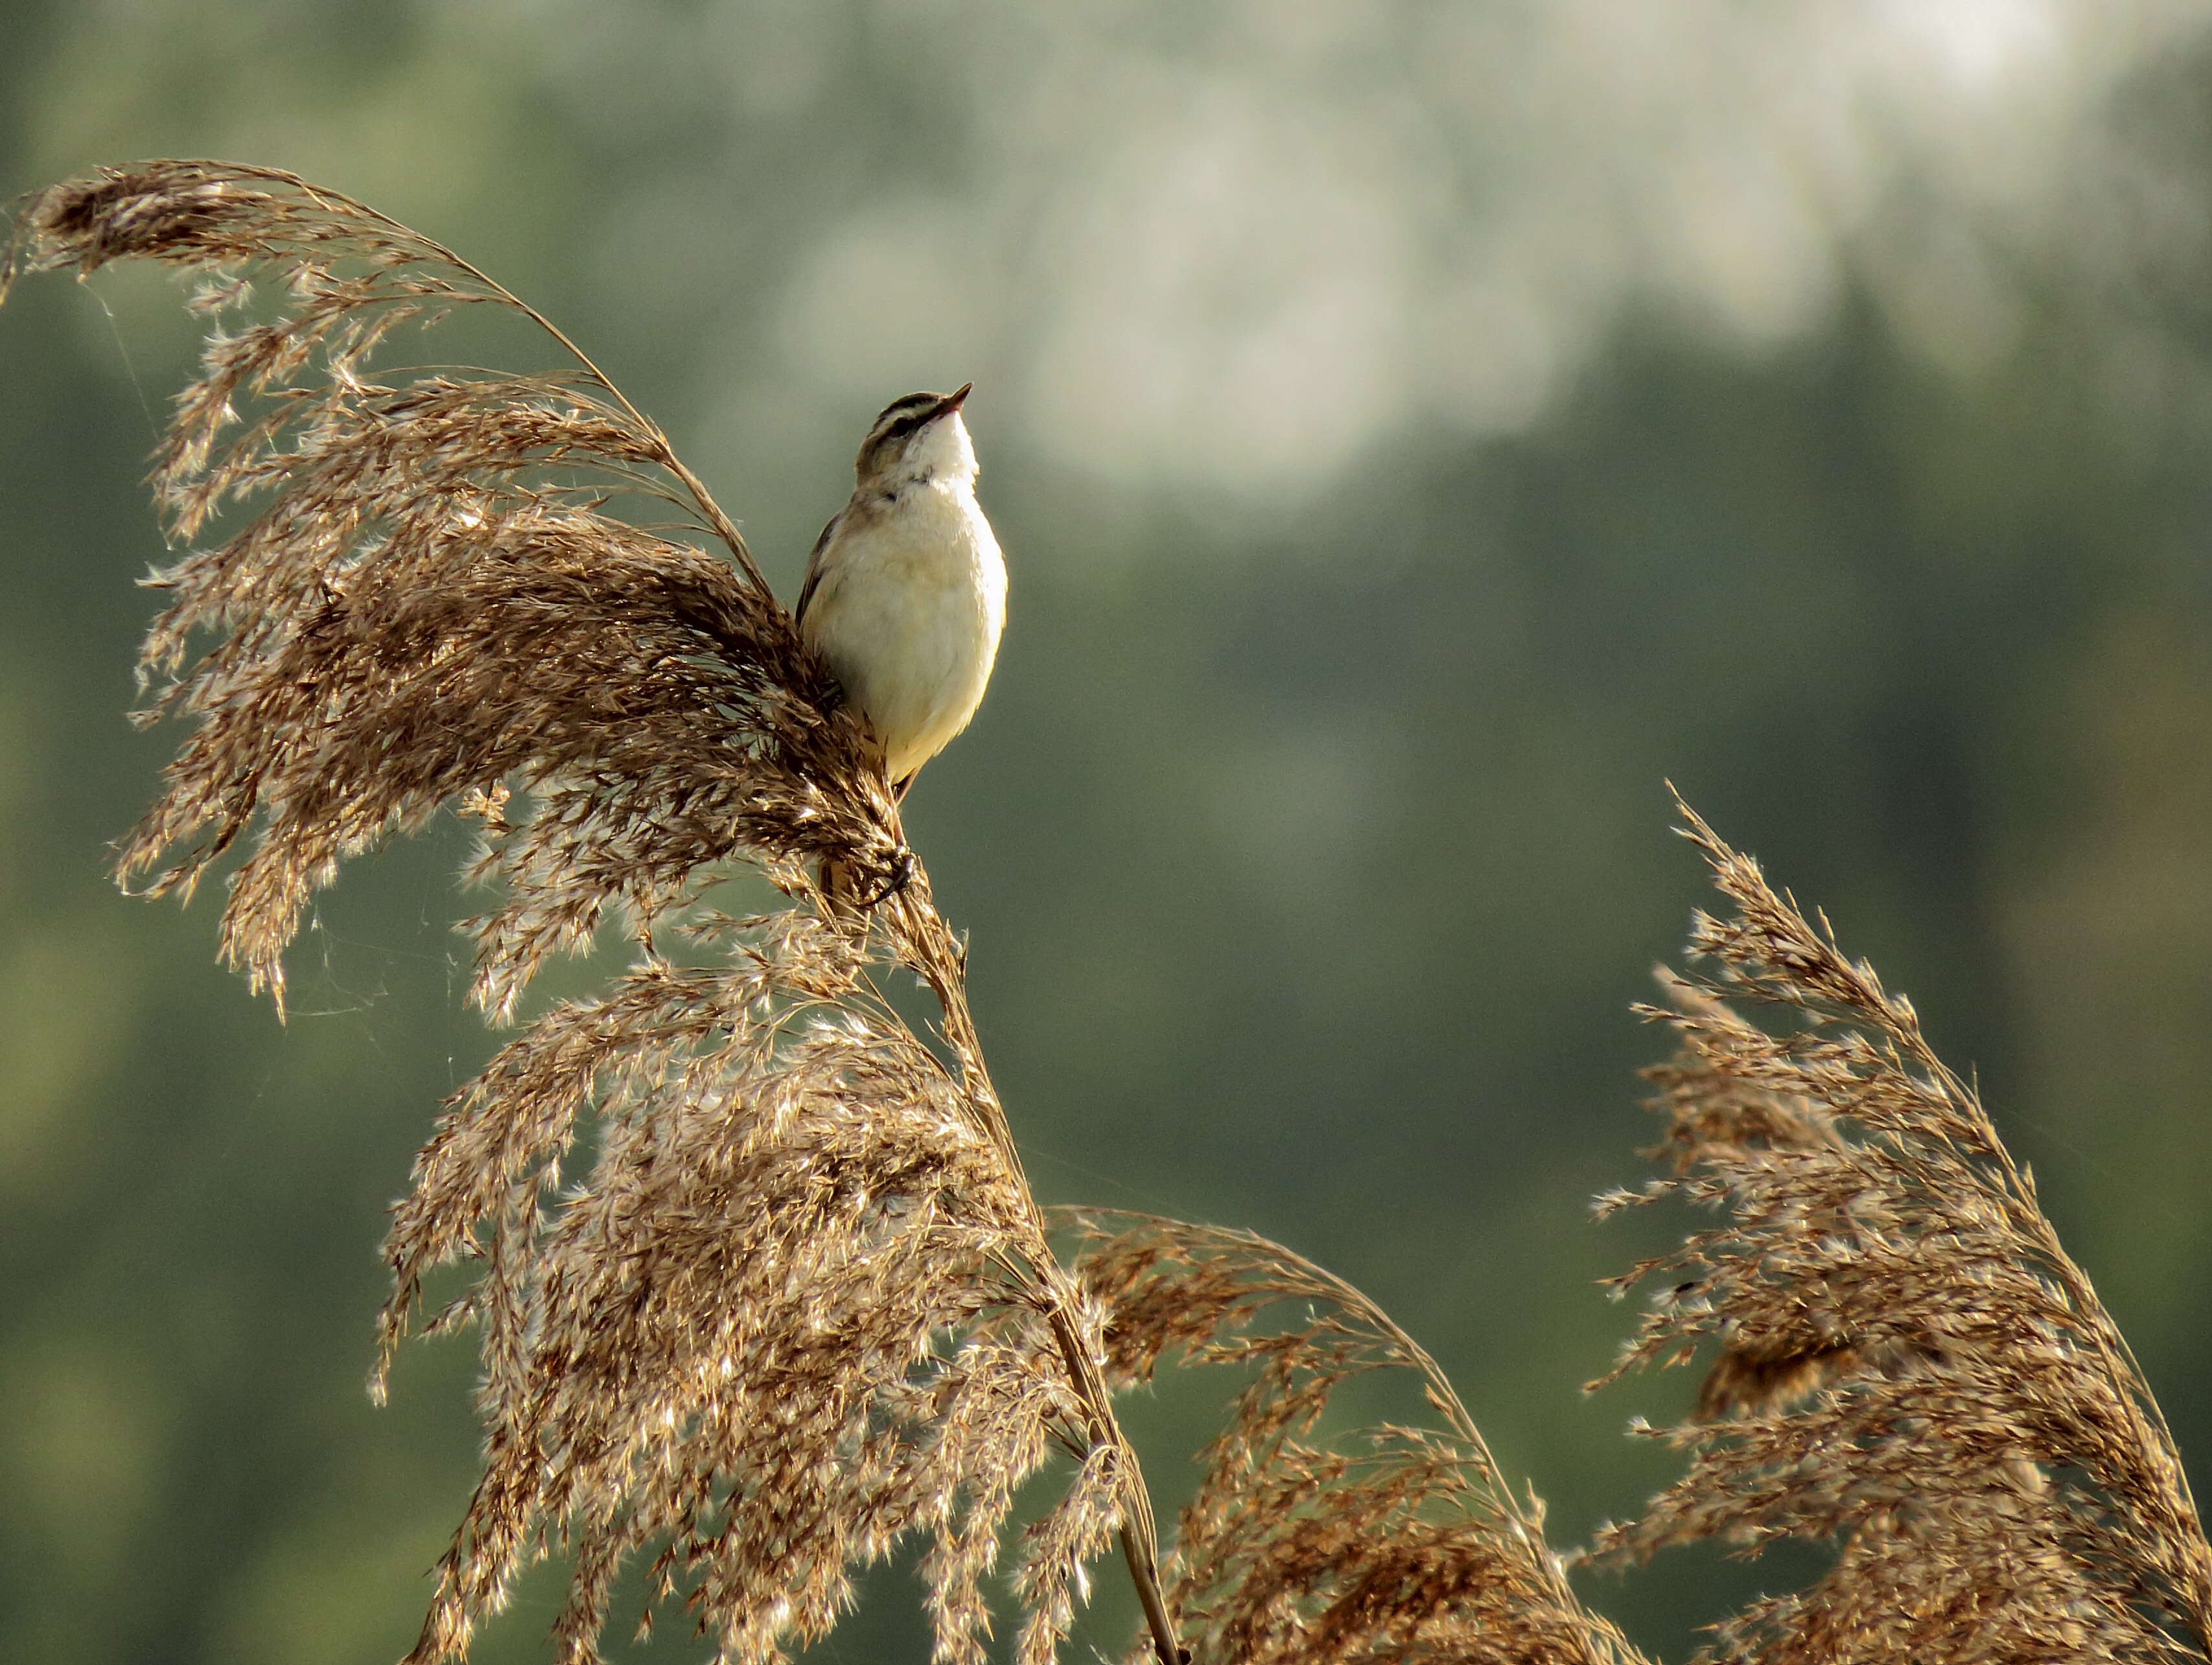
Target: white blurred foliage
<point>1232,244</point>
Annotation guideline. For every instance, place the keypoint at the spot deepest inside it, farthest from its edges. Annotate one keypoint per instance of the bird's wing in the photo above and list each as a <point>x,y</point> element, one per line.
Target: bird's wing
<point>814,566</point>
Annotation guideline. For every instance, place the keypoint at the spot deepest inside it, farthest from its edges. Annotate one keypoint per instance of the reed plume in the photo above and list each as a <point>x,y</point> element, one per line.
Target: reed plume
<point>801,1304</point>
<point>1904,1362</point>
<point>1378,1544</point>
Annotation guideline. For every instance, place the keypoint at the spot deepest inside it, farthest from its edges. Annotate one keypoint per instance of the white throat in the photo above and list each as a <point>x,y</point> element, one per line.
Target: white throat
<point>940,454</point>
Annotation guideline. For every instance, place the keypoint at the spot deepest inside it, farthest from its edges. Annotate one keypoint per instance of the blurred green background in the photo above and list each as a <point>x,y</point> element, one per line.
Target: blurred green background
<point>1417,431</point>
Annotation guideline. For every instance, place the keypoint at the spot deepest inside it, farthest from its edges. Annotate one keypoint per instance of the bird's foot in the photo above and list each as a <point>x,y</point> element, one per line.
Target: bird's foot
<point>904,866</point>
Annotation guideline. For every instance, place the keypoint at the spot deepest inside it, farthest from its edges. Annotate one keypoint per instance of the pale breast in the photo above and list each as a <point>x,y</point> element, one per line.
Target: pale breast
<point>909,611</point>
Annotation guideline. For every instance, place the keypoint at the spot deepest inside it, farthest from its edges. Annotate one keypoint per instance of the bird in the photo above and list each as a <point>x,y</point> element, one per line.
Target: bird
<point>905,593</point>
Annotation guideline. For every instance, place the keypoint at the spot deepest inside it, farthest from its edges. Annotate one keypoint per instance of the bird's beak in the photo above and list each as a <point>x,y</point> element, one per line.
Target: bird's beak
<point>951,402</point>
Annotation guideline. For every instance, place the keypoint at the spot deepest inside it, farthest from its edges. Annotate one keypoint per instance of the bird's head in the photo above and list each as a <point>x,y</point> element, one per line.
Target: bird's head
<point>919,437</point>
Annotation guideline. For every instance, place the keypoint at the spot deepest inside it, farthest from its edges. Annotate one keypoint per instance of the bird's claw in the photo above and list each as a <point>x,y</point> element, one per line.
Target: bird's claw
<point>903,869</point>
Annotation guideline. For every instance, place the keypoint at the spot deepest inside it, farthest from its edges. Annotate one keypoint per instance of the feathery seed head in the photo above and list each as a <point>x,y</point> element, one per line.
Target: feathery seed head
<point>1905,1362</point>
<point>801,1305</point>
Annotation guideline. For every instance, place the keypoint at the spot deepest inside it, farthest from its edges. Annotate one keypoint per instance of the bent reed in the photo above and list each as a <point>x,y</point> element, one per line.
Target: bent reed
<point>801,1305</point>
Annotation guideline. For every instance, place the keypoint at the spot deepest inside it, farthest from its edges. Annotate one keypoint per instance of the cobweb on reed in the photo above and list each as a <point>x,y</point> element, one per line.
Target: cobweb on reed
<point>801,1304</point>
<point>1391,1543</point>
<point>1904,1362</point>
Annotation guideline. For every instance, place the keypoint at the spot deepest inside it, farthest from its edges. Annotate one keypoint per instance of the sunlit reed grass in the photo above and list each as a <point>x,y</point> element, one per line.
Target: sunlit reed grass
<point>797,1304</point>
<point>1904,1362</point>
